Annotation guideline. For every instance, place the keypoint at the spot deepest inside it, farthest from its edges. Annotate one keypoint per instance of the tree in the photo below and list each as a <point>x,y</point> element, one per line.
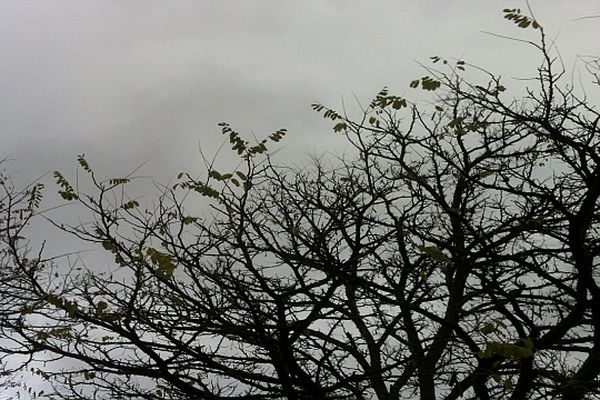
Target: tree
<point>456,257</point>
<point>17,207</point>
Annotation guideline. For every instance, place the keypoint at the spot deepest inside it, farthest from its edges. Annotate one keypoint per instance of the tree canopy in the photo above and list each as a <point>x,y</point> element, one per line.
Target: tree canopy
<point>455,257</point>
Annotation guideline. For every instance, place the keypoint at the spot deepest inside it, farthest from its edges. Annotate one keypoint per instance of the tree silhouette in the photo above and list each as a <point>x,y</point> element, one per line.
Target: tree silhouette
<point>455,257</point>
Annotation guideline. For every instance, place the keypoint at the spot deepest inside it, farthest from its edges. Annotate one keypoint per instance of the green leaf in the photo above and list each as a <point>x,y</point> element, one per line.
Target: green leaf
<point>71,308</point>
<point>277,136</point>
<point>131,204</point>
<point>84,164</point>
<point>317,107</point>
<point>488,328</point>
<point>524,23</point>
<point>162,261</point>
<point>215,175</point>
<point>88,375</point>
<point>398,104</point>
<point>341,126</point>
<point>67,195</point>
<point>506,350</point>
<point>428,83</point>
<point>435,253</point>
<point>118,181</point>
<point>110,246</point>
<point>414,84</point>
<point>101,307</point>
<point>189,220</point>
<point>241,175</point>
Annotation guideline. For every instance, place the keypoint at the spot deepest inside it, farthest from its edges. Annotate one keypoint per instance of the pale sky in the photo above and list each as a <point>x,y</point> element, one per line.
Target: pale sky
<point>130,81</point>
<point>146,82</point>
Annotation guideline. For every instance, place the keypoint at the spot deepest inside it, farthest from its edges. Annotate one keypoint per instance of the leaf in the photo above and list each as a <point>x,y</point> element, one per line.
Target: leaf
<point>71,308</point>
<point>506,350</point>
<point>398,104</point>
<point>435,253</point>
<point>277,136</point>
<point>165,270</point>
<point>485,173</point>
<point>332,115</point>
<point>165,266</point>
<point>88,375</point>
<point>414,84</point>
<point>68,195</point>
<point>241,175</point>
<point>488,328</point>
<point>428,83</point>
<point>101,307</point>
<point>524,23</point>
<point>317,107</point>
<point>118,181</point>
<point>84,164</point>
<point>189,220</point>
<point>341,126</point>
<point>109,245</point>
<point>215,175</point>
<point>130,204</point>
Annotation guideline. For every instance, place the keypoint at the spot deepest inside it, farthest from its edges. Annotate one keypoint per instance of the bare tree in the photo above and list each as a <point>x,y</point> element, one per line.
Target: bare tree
<point>456,257</point>
<point>17,207</point>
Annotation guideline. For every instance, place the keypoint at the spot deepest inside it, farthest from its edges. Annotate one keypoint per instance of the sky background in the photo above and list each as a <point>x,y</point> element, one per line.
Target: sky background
<point>145,83</point>
<point>134,82</point>
<point>127,82</point>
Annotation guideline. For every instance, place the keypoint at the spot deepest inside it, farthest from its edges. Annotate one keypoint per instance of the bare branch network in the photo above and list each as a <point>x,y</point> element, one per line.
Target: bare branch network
<point>456,257</point>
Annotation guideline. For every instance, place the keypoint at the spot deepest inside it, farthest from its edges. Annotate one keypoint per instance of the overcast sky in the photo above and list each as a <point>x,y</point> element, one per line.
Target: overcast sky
<point>134,82</point>
<point>130,81</point>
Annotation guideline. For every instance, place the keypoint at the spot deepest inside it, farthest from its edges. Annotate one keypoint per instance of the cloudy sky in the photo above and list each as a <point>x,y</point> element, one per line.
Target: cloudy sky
<point>132,81</point>
<point>146,82</point>
<point>128,82</point>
